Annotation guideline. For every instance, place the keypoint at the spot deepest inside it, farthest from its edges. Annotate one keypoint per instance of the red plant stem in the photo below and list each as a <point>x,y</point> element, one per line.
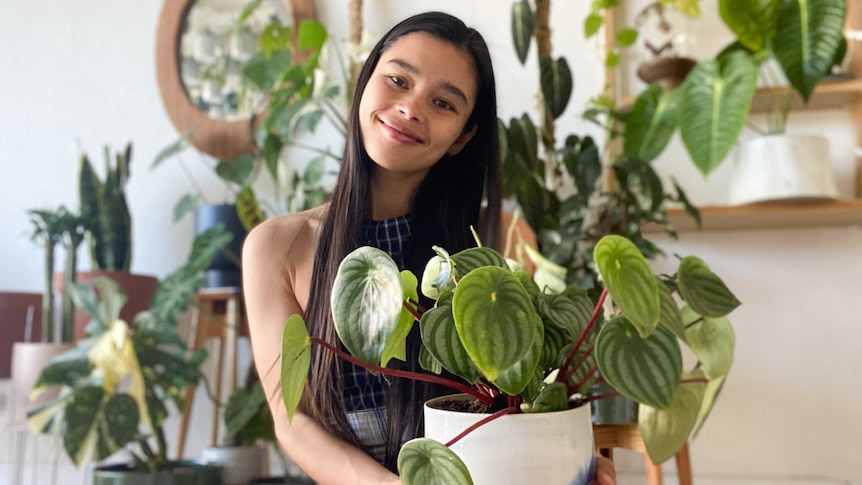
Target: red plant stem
<point>577,365</point>
<point>593,319</point>
<point>413,311</point>
<point>500,413</point>
<point>694,322</point>
<point>405,374</point>
<point>694,380</point>
<point>418,306</point>
<point>586,377</point>
<point>601,396</point>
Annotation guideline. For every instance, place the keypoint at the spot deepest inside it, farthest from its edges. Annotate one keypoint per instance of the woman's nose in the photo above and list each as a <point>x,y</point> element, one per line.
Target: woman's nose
<point>411,108</point>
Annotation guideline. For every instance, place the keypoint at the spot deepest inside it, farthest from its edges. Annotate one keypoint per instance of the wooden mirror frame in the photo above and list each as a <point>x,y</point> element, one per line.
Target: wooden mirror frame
<point>224,140</point>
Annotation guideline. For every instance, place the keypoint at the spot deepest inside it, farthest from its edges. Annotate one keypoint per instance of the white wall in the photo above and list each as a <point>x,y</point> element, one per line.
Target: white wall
<point>83,72</point>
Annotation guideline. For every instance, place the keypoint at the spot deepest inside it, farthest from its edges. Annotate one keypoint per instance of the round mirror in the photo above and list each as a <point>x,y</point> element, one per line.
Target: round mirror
<point>200,48</point>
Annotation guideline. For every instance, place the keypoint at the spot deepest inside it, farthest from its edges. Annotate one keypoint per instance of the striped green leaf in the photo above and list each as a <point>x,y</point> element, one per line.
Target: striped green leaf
<point>553,397</point>
<point>248,208</point>
<point>366,302</point>
<point>567,313</point>
<point>665,431</point>
<point>713,107</point>
<point>295,362</point>
<point>557,84</point>
<point>423,461</point>
<point>473,258</point>
<point>669,315</point>
<point>396,346</point>
<point>522,28</point>
<point>428,361</point>
<point>703,290</point>
<point>629,280</point>
<point>650,124</point>
<point>515,379</point>
<point>753,21</point>
<point>493,315</point>
<point>810,33</point>
<point>554,342</point>
<point>524,142</point>
<point>440,338</point>
<point>644,370</point>
<point>712,340</point>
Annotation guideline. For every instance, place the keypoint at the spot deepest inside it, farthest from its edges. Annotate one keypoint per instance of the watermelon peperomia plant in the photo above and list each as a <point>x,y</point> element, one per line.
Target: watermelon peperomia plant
<point>524,348</point>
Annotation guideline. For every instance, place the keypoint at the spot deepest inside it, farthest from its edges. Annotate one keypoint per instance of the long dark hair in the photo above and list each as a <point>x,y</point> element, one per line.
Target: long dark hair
<point>444,207</point>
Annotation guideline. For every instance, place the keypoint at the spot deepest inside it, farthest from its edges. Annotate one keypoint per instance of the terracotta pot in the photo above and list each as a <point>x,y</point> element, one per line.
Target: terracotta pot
<point>14,307</point>
<point>28,360</point>
<point>548,448</point>
<point>139,289</point>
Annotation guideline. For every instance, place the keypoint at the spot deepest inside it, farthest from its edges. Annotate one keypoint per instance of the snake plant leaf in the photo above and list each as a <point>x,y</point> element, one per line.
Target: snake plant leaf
<point>712,340</point>
<point>441,340</point>
<point>396,346</point>
<point>366,302</point>
<point>552,397</point>
<point>495,319</point>
<point>713,389</point>
<point>295,362</point>
<point>516,378</point>
<point>629,280</point>
<point>523,26</point>
<point>753,21</point>
<point>557,84</point>
<point>669,314</point>
<point>811,31</point>
<point>248,208</point>
<point>713,107</point>
<point>428,361</point>
<point>423,461</point>
<point>703,290</point>
<point>650,124</point>
<point>646,370</point>
<point>470,259</point>
<point>665,431</point>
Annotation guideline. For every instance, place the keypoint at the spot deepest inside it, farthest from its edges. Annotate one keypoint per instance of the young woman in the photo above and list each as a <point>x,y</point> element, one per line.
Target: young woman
<point>421,154</point>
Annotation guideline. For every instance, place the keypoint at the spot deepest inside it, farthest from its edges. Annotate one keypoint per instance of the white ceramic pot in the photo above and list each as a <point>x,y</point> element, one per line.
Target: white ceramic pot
<point>547,448</point>
<point>240,464</point>
<point>28,360</point>
<point>782,167</point>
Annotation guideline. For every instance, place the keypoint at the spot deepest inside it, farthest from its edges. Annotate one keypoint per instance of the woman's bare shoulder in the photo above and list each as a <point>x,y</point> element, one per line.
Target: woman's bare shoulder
<point>287,238</point>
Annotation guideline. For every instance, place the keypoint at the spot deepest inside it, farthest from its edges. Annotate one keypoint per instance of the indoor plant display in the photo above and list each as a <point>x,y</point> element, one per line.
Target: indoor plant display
<point>523,349</point>
<point>116,384</point>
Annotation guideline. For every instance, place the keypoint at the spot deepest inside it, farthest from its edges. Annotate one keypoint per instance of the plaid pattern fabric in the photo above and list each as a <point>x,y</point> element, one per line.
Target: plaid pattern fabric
<point>364,393</point>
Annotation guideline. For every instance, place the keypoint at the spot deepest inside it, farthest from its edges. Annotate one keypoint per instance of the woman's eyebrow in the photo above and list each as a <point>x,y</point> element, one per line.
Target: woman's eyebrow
<point>445,85</point>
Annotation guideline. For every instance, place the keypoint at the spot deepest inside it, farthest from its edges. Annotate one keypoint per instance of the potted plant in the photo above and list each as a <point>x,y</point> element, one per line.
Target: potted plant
<point>109,233</point>
<point>532,353</point>
<point>117,384</point>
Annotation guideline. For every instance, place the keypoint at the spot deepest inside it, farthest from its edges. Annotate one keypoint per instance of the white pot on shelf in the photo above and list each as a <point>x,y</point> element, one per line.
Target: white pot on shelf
<point>782,168</point>
<point>240,464</point>
<point>548,448</point>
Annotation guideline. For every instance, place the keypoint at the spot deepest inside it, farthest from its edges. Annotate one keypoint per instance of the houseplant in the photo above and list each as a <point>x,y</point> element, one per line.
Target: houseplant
<point>522,349</point>
<point>116,384</point>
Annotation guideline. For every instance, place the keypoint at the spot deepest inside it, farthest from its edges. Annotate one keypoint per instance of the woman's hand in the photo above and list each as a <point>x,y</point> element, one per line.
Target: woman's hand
<point>605,472</point>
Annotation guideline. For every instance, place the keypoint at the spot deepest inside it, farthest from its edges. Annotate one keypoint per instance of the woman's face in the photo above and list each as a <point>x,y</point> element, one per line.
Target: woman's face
<point>416,103</point>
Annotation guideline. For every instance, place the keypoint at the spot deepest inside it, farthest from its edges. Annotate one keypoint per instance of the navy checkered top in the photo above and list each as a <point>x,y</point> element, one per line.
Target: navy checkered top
<point>364,393</point>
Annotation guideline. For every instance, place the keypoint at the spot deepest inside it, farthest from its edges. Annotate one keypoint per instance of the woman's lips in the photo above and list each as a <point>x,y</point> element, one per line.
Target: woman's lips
<point>399,134</point>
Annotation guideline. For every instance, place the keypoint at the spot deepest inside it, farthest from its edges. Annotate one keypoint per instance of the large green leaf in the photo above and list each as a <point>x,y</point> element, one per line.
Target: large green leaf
<point>522,28</point>
<point>665,431</point>
<point>516,378</point>
<point>644,370</point>
<point>810,31</point>
<point>366,302</point>
<point>712,340</point>
<point>490,307</point>
<point>81,420</point>
<point>703,290</point>
<point>470,259</point>
<point>443,343</point>
<point>524,141</point>
<point>295,362</point>
<point>553,397</point>
<point>629,280</point>
<point>121,417</point>
<point>396,346</point>
<point>753,21</point>
<point>423,461</point>
<point>713,389</point>
<point>557,84</point>
<point>713,107</point>
<point>669,314</point>
<point>650,124</point>
<point>237,171</point>
<point>565,312</point>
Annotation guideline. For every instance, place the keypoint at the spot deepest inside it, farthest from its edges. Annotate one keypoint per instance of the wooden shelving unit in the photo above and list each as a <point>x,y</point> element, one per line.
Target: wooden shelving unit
<point>829,94</point>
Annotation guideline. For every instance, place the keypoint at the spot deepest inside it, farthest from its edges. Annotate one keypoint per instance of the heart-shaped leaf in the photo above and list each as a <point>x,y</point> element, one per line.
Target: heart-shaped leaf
<point>753,21</point>
<point>669,314</point>
<point>473,258</point>
<point>712,340</point>
<point>553,397</point>
<point>650,124</point>
<point>295,362</point>
<point>703,290</point>
<point>396,346</point>
<point>122,417</point>
<point>81,424</point>
<point>423,461</point>
<point>522,28</point>
<point>441,340</point>
<point>629,280</point>
<point>713,389</point>
<point>644,370</point>
<point>366,302</point>
<point>665,431</point>
<point>515,379</point>
<point>490,307</point>
<point>557,84</point>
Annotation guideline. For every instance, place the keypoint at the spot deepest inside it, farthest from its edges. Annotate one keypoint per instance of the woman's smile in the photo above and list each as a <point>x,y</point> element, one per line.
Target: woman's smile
<point>399,133</point>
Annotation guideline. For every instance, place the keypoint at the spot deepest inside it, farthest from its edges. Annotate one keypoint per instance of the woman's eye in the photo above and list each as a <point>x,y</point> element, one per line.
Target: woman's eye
<point>398,81</point>
<point>443,104</point>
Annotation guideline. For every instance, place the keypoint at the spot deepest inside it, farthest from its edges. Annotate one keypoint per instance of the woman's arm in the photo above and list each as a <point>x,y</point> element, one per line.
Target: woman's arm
<point>276,258</point>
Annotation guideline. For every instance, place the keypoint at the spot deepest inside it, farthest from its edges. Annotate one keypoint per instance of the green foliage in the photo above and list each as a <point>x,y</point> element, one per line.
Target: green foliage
<point>117,382</point>
<point>104,208</point>
<point>247,416</point>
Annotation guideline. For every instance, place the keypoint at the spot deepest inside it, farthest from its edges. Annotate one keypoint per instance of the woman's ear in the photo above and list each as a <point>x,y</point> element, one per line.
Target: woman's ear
<point>462,140</point>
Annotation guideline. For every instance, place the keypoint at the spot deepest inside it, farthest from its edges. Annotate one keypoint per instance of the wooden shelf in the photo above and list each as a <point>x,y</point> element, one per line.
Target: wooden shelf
<point>770,216</point>
<point>829,94</point>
